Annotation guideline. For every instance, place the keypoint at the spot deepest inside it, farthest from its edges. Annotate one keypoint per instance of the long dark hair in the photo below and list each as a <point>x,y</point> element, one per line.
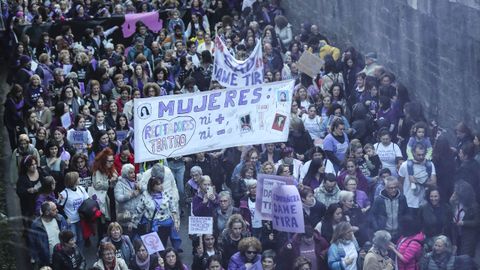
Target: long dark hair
<point>442,150</point>
<point>313,170</point>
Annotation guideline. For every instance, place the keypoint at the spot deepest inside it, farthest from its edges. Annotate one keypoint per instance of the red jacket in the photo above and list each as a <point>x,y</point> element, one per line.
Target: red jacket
<point>118,163</point>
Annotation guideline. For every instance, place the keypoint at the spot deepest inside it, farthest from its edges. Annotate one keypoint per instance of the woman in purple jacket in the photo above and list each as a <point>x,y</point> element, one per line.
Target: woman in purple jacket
<point>205,202</point>
<point>247,256</point>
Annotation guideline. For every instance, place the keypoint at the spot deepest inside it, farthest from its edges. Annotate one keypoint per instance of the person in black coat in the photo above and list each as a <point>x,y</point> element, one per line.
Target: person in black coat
<point>435,216</point>
<point>444,160</point>
<point>466,218</point>
<point>313,210</point>
<point>469,169</point>
<point>66,255</point>
<point>388,207</point>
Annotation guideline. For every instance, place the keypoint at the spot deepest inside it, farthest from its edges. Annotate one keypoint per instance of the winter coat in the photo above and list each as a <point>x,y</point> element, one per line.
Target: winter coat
<point>450,262</point>
<point>321,250</point>
<point>435,220</point>
<point>374,260</point>
<point>61,259</point>
<point>203,209</point>
<point>119,265</point>
<point>361,179</point>
<point>327,198</point>
<point>336,254</point>
<point>126,249</point>
<point>411,249</point>
<point>237,262</point>
<point>397,207</point>
<point>285,35</point>
<point>317,211</point>
<point>38,239</point>
<point>125,202</point>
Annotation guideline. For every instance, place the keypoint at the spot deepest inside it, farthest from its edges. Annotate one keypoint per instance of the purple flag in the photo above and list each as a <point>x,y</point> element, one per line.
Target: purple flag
<point>150,19</point>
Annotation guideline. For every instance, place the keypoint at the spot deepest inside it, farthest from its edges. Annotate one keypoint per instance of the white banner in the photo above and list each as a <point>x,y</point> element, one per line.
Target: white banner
<point>170,126</point>
<point>230,72</point>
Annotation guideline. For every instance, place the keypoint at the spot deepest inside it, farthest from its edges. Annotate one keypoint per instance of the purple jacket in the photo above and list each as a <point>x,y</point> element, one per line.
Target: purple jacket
<point>362,199</point>
<point>361,179</point>
<point>237,262</point>
<point>201,209</point>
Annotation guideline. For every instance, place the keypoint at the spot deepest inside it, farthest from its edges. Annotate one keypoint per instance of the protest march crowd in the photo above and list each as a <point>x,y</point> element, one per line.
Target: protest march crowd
<point>381,186</point>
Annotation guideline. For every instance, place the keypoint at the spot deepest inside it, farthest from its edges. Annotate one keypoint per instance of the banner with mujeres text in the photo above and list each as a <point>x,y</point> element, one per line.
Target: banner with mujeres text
<point>230,72</point>
<point>172,126</point>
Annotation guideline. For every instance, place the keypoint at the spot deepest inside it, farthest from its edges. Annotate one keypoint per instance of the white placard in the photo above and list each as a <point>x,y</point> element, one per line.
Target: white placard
<point>200,225</point>
<point>152,242</point>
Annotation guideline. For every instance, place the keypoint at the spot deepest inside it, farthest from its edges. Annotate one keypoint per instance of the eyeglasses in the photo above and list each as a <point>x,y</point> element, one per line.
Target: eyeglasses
<point>249,252</point>
<point>110,160</point>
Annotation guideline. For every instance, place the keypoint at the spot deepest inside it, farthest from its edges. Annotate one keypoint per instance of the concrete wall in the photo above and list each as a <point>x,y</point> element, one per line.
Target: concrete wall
<point>433,46</point>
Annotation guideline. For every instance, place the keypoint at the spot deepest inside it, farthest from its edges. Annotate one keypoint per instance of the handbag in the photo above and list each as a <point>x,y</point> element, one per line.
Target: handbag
<point>145,228</point>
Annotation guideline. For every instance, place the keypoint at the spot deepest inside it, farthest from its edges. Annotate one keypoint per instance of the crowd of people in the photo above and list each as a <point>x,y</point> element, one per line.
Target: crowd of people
<point>381,187</point>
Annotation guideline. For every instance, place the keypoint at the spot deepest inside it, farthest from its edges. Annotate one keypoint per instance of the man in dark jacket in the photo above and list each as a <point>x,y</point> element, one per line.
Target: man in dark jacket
<point>389,207</point>
<point>44,233</point>
<point>272,58</point>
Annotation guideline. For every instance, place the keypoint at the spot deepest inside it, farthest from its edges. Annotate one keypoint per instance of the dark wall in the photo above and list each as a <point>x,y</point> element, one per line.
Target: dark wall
<point>433,46</point>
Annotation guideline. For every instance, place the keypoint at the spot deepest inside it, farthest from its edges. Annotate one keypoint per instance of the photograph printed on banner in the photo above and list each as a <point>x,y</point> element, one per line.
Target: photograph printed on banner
<point>282,96</point>
<point>279,122</point>
<point>245,124</point>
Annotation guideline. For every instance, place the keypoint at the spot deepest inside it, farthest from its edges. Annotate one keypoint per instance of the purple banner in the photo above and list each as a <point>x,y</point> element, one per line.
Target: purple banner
<point>287,210</point>
<point>265,185</point>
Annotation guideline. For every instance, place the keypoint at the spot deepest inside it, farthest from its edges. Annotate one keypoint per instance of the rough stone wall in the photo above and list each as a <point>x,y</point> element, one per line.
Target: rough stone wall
<point>433,46</point>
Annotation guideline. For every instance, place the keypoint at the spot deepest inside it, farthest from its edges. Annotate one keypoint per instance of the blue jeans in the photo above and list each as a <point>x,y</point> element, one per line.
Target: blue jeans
<point>178,170</point>
<point>76,228</point>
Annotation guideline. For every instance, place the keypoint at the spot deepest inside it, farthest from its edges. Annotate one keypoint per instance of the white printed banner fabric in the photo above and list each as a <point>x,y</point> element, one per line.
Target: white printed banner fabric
<point>230,72</point>
<point>171,126</point>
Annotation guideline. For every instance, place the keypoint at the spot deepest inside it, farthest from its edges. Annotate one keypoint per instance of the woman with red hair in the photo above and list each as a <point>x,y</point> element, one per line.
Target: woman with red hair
<point>104,179</point>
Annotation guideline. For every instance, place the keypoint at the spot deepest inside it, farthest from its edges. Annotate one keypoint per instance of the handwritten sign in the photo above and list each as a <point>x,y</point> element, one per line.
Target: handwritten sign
<point>265,186</point>
<point>287,210</point>
<point>200,225</point>
<point>309,64</point>
<point>231,72</point>
<point>178,125</point>
<point>152,242</point>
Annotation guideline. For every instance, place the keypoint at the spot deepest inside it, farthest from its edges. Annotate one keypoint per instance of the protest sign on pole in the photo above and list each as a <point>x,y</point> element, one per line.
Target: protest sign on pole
<point>152,242</point>
<point>170,126</point>
<point>266,183</point>
<point>287,209</point>
<point>309,64</point>
<point>230,72</point>
<point>200,225</point>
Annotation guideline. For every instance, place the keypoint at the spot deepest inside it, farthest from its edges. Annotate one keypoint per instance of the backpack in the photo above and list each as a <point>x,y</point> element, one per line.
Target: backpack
<point>428,166</point>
